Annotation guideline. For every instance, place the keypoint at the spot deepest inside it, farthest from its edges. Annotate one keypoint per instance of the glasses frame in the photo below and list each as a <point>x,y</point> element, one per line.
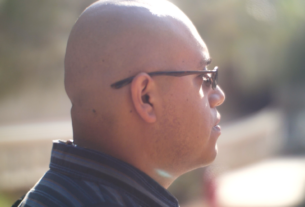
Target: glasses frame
<point>212,78</point>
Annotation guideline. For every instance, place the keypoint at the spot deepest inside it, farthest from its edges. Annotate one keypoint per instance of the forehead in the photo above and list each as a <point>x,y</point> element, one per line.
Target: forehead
<point>192,44</point>
<point>195,52</point>
<point>180,44</point>
<point>202,50</point>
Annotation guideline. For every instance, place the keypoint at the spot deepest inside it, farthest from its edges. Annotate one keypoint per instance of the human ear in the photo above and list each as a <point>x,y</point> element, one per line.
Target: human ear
<point>143,97</point>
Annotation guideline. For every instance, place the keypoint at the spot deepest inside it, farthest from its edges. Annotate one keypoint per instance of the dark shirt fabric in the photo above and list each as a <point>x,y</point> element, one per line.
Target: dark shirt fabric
<point>83,177</point>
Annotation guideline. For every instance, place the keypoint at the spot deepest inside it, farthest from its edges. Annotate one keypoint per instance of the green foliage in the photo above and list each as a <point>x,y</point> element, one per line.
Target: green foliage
<point>6,200</point>
<point>33,35</point>
<point>257,44</point>
<point>252,41</point>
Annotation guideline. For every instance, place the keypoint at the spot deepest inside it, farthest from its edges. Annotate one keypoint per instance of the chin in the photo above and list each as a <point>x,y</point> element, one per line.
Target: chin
<point>204,160</point>
<point>210,157</point>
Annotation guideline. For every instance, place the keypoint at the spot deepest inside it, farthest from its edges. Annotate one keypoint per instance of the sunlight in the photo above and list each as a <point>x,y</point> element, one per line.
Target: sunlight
<point>163,173</point>
<point>201,92</point>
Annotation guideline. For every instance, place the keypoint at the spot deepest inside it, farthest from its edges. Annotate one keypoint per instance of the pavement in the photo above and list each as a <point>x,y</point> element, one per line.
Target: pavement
<point>276,182</point>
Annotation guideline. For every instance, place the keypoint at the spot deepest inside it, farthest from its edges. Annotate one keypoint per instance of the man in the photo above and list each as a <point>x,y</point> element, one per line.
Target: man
<point>132,137</point>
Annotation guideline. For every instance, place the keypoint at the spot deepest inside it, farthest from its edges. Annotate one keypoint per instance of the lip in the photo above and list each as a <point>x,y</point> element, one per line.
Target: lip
<point>217,128</point>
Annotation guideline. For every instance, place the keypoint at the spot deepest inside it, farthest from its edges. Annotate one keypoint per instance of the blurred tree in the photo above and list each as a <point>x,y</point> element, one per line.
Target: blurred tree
<point>252,41</point>
<point>258,44</point>
<point>33,37</point>
<point>248,40</point>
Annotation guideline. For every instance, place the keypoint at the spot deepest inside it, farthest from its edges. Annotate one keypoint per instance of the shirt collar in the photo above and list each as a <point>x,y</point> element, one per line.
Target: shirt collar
<point>78,161</point>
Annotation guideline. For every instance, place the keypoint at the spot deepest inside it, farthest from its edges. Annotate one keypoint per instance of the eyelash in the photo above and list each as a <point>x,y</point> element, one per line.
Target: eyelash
<point>206,81</point>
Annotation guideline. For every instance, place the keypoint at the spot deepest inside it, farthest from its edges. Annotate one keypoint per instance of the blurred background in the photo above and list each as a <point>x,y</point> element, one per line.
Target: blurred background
<point>259,46</point>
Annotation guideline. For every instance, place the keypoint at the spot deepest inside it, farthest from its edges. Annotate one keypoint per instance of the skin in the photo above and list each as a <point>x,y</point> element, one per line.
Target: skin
<point>164,126</point>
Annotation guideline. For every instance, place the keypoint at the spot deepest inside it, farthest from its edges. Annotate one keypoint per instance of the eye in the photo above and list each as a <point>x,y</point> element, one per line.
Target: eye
<point>207,80</point>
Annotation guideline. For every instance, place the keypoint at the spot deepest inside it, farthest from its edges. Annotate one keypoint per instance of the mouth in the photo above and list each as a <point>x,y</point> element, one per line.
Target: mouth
<point>217,126</point>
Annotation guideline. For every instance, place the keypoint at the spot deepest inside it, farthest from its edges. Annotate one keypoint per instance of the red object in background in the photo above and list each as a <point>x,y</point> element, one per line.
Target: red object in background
<point>210,188</point>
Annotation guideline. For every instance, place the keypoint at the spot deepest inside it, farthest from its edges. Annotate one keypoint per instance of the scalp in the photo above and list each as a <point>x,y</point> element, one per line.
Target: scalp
<point>115,39</point>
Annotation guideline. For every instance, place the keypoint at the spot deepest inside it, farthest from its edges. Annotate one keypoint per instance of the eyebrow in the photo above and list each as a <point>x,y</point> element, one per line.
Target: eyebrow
<point>208,61</point>
<point>204,62</point>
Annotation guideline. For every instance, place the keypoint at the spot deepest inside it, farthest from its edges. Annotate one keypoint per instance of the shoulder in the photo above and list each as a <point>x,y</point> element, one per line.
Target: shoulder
<point>105,205</point>
<point>57,189</point>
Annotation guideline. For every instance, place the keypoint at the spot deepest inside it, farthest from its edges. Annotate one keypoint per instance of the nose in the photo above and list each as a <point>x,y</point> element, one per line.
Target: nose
<point>216,97</point>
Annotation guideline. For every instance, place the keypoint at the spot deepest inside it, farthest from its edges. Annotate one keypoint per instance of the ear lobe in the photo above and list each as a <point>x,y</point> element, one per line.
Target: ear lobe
<point>142,95</point>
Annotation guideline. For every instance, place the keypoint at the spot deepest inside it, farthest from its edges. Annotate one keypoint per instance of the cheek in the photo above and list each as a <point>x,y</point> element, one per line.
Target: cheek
<point>186,124</point>
<point>198,112</point>
<point>198,124</point>
<point>195,118</point>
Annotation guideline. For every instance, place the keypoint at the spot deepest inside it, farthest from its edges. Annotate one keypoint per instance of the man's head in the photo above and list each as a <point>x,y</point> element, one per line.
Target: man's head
<point>163,125</point>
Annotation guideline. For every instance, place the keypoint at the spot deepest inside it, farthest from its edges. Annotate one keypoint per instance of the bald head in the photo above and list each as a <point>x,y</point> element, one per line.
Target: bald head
<point>113,40</point>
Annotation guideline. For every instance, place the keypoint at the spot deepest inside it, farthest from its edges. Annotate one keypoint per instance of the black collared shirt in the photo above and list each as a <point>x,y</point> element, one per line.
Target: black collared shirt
<point>83,177</point>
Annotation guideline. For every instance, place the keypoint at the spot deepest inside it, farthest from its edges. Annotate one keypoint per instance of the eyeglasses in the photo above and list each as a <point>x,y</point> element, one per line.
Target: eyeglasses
<point>209,76</point>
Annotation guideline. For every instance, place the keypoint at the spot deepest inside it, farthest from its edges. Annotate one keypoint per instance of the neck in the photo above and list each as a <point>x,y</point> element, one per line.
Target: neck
<point>136,158</point>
